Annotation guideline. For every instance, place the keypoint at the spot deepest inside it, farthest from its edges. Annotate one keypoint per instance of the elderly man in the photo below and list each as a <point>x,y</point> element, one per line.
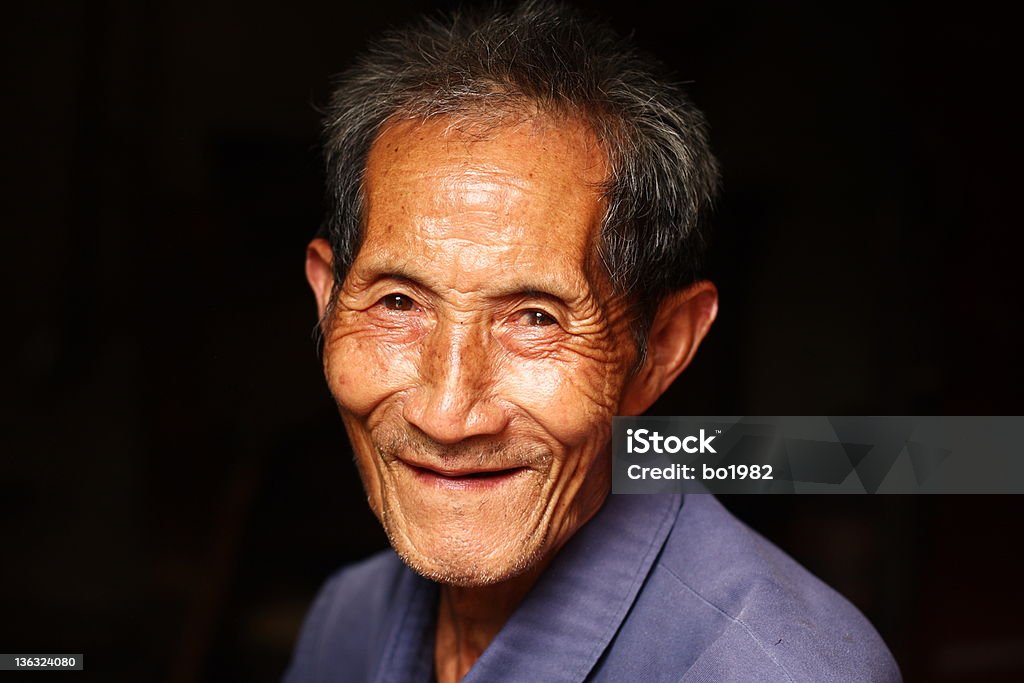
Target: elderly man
<point>516,220</point>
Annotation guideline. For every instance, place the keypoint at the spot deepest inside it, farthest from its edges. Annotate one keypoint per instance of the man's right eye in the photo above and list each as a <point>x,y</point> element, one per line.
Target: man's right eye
<point>398,302</point>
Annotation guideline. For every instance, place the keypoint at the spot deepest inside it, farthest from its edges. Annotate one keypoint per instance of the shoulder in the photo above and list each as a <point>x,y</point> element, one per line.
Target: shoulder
<point>346,621</point>
<point>763,610</point>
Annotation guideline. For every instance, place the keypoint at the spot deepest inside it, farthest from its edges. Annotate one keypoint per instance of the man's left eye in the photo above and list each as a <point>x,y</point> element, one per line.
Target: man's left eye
<point>398,302</point>
<point>537,318</point>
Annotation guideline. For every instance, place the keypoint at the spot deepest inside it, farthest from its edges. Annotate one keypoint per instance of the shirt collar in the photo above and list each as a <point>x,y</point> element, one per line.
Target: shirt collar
<point>571,615</point>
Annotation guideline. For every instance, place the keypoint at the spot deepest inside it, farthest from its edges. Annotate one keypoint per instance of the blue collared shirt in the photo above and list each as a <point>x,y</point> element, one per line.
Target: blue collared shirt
<point>653,588</point>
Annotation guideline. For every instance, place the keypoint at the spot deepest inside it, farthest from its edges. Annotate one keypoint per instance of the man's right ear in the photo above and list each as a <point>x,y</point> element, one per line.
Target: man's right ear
<point>320,272</point>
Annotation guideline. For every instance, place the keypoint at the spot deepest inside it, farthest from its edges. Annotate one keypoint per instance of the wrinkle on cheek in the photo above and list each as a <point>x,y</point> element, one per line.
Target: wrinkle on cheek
<point>369,466</point>
<point>613,351</point>
<point>600,383</point>
<point>568,398</point>
<point>362,370</point>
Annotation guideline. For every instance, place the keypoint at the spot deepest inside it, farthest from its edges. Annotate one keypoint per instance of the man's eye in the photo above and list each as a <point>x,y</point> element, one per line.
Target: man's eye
<point>537,318</point>
<point>398,302</point>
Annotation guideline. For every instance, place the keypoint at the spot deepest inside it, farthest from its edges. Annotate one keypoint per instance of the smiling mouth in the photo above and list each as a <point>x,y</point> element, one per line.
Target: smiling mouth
<point>464,479</point>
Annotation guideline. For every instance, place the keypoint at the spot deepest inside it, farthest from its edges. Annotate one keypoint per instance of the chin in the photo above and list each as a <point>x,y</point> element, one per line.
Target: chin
<point>455,560</point>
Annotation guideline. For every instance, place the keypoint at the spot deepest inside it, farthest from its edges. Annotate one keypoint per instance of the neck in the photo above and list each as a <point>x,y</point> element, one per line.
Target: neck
<point>469,618</point>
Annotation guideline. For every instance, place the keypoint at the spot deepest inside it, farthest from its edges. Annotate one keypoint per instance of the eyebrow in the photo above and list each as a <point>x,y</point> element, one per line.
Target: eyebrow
<point>533,293</point>
<point>515,291</point>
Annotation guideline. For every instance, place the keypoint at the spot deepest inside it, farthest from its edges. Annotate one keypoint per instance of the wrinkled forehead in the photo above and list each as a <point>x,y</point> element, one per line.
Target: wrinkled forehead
<point>531,139</point>
<point>526,191</point>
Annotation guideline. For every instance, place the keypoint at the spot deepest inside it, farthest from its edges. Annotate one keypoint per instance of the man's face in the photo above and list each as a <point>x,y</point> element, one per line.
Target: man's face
<point>476,352</point>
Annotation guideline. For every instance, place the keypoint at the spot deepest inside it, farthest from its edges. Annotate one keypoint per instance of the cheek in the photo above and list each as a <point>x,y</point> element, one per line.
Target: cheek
<point>366,463</point>
<point>362,370</point>
<point>573,401</point>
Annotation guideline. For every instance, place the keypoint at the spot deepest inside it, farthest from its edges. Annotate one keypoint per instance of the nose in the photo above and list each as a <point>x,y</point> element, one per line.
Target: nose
<point>454,398</point>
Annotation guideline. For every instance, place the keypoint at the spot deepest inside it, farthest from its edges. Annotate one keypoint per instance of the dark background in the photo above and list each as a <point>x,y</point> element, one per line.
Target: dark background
<point>175,483</point>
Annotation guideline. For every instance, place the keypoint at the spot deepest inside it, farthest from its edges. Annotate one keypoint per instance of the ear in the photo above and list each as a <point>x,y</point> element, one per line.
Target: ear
<point>320,272</point>
<point>679,326</point>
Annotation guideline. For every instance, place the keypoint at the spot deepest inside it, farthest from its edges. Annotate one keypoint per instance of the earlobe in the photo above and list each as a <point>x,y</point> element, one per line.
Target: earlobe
<point>679,326</point>
<point>320,272</point>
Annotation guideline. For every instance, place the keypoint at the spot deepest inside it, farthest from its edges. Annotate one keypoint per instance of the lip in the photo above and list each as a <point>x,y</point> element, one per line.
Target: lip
<point>463,479</point>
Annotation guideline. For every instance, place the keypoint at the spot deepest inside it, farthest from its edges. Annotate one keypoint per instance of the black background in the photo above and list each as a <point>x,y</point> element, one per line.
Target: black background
<point>175,483</point>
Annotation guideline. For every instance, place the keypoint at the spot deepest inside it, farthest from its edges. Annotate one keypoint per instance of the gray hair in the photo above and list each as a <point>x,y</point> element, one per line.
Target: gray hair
<point>540,57</point>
